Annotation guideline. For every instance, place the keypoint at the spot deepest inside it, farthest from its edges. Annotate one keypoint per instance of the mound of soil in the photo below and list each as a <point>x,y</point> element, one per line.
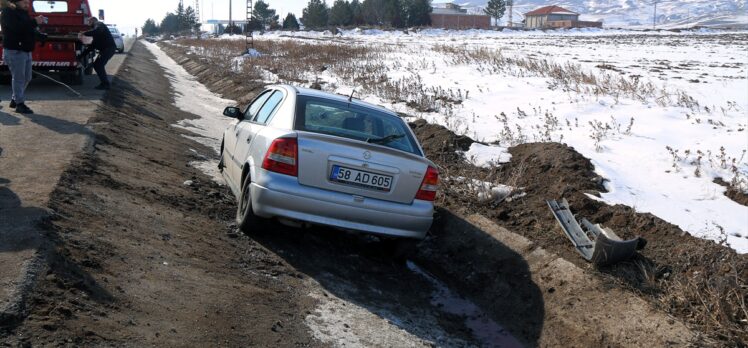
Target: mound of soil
<point>697,280</point>
<point>732,193</point>
<point>675,269</point>
<point>439,143</point>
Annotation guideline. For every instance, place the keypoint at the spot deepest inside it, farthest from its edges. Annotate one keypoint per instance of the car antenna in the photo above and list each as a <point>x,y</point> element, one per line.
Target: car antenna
<point>351,97</point>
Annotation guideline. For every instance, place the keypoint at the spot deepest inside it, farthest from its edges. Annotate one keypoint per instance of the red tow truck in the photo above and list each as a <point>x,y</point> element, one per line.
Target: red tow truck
<point>58,54</point>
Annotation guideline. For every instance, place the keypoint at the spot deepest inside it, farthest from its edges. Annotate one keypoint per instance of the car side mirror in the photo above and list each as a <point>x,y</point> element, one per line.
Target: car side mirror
<point>232,112</point>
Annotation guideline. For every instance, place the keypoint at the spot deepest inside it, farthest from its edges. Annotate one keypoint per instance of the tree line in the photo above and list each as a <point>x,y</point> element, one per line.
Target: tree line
<point>392,13</point>
<point>316,15</point>
<point>181,20</point>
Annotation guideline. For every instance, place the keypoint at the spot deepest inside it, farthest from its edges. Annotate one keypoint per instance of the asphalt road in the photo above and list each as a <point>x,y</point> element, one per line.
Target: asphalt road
<point>34,151</point>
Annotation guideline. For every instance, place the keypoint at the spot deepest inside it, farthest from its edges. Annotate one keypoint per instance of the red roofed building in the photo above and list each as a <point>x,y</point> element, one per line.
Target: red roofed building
<point>556,17</point>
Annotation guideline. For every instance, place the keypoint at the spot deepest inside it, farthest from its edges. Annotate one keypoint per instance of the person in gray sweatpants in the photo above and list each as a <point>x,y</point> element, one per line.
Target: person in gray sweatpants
<point>19,40</point>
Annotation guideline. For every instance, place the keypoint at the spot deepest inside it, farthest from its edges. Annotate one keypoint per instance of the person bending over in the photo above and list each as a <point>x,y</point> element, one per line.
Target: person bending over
<point>104,43</point>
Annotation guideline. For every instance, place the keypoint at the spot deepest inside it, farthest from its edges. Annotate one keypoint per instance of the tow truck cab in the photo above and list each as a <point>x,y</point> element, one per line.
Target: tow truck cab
<point>58,53</point>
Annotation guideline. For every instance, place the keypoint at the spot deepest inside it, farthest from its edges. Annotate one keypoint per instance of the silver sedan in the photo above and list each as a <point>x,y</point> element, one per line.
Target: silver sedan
<point>304,156</point>
<point>118,40</point>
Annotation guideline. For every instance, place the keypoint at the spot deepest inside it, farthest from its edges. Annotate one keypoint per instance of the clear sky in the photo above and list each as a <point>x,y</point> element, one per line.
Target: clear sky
<point>131,14</point>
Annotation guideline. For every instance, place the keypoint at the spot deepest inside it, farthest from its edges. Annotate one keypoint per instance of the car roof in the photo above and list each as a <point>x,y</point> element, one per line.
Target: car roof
<point>336,97</point>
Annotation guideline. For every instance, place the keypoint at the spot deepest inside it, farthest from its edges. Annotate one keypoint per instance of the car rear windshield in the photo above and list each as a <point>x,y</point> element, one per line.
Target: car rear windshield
<point>341,119</point>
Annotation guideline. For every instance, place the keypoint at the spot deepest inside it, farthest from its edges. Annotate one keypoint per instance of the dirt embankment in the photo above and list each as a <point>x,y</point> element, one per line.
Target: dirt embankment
<point>697,280</point>
<point>222,82</point>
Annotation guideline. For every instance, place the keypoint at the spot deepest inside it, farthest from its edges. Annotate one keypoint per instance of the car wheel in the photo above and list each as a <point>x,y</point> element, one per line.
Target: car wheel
<point>245,217</point>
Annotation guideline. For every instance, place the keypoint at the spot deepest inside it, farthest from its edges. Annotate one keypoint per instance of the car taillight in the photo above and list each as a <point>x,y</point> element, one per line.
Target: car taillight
<point>282,157</point>
<point>429,185</point>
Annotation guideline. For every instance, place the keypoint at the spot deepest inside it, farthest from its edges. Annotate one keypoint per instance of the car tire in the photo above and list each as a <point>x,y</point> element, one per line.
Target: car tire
<point>246,219</point>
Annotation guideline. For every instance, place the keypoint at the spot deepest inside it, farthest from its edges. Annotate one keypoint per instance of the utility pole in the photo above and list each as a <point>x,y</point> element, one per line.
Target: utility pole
<point>231,19</point>
<point>654,18</point>
<point>511,9</point>
<point>182,19</point>
<point>250,39</point>
<point>197,10</point>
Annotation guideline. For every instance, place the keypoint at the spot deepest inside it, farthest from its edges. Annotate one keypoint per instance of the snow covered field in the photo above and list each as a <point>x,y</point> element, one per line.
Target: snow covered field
<point>660,114</point>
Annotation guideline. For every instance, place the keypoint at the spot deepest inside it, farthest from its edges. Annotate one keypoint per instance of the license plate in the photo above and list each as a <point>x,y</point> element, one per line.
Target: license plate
<point>360,178</point>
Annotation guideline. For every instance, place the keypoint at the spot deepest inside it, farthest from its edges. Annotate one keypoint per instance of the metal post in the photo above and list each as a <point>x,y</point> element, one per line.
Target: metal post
<point>511,7</point>
<point>197,10</point>
<point>654,19</point>
<point>250,39</point>
<point>231,18</point>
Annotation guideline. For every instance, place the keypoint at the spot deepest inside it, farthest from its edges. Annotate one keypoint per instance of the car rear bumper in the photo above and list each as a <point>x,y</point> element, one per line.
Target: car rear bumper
<point>283,196</point>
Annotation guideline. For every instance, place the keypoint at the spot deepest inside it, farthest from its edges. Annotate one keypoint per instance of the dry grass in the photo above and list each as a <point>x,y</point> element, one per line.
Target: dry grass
<point>568,77</point>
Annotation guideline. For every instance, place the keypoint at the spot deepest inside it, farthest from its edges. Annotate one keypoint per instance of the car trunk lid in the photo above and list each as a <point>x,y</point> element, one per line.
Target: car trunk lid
<point>358,168</point>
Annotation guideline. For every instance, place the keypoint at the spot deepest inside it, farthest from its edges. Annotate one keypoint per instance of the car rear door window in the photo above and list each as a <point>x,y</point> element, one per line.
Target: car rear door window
<point>267,110</point>
<point>256,105</point>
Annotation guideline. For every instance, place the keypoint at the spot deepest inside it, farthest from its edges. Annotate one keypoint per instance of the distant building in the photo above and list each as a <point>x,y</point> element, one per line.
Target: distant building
<point>556,17</point>
<point>453,16</point>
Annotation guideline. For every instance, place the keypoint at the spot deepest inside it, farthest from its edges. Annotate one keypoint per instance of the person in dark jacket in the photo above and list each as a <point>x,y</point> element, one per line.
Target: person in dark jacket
<point>19,40</point>
<point>104,43</point>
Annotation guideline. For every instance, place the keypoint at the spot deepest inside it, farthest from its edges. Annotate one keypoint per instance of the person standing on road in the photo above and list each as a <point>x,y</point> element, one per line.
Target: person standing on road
<point>19,40</point>
<point>104,42</point>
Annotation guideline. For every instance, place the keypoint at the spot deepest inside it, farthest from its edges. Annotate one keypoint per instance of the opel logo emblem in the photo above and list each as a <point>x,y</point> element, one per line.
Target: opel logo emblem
<point>367,155</point>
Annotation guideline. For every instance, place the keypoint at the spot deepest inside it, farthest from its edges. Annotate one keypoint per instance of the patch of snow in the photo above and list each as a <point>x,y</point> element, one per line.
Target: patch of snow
<point>252,53</point>
<point>192,96</point>
<point>486,191</point>
<point>487,156</point>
